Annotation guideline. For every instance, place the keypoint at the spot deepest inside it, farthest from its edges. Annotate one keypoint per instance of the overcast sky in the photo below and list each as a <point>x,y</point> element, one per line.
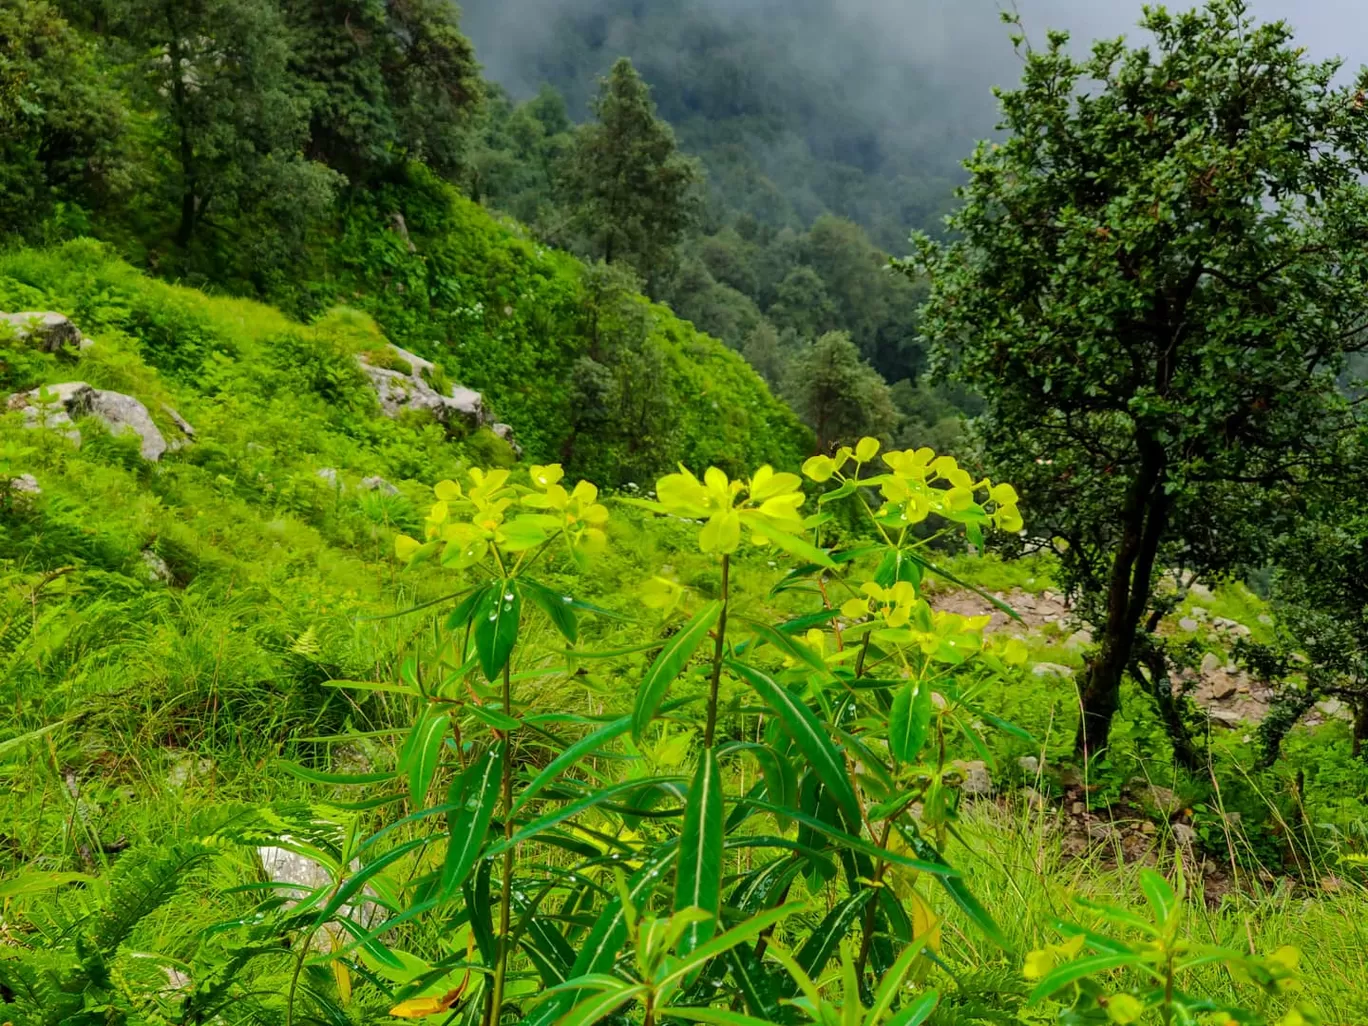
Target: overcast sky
<point>962,39</point>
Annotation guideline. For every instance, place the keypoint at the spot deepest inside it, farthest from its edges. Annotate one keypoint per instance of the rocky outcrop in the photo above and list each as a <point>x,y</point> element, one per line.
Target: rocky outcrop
<point>25,484</point>
<point>378,484</point>
<point>402,381</point>
<point>53,332</point>
<point>73,399</point>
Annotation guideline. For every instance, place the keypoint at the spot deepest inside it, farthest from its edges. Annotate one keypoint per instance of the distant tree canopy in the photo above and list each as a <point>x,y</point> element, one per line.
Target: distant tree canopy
<point>1157,277</point>
<point>630,190</point>
<point>837,394</point>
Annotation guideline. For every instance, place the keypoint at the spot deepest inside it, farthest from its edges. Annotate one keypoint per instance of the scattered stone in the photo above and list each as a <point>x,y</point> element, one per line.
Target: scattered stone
<point>25,484</point>
<point>1159,801</point>
<point>1030,765</point>
<point>52,331</point>
<point>1198,613</point>
<point>302,876</point>
<point>1076,809</point>
<point>73,399</point>
<point>1221,623</point>
<point>400,390</point>
<point>400,227</point>
<point>1334,709</point>
<point>378,484</point>
<point>1079,639</point>
<point>185,769</point>
<point>1033,798</point>
<point>1184,835</point>
<point>1223,688</point>
<point>1265,619</point>
<point>1102,833</point>
<point>1070,777</point>
<point>1200,591</point>
<point>1211,663</point>
<point>1148,828</point>
<point>505,432</point>
<point>977,780</point>
<point>1188,624</point>
<point>1225,717</point>
<point>157,568</point>
<point>182,425</point>
<point>328,474</point>
<point>1051,670</point>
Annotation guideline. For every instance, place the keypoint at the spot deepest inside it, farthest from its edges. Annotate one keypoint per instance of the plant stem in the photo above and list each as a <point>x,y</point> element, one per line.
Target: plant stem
<point>505,903</point>
<point>711,730</point>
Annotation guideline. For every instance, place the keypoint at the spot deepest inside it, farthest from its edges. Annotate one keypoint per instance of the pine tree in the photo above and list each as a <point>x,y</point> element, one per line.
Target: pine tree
<point>840,396</point>
<point>631,189</point>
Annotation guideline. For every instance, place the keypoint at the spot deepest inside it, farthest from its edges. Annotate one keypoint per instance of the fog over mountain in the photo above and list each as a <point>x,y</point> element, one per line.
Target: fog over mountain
<point>863,108</point>
<point>959,44</point>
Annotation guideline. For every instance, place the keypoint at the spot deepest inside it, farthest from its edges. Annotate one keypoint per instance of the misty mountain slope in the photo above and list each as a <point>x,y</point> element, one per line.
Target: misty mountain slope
<point>795,109</point>
<point>862,108</point>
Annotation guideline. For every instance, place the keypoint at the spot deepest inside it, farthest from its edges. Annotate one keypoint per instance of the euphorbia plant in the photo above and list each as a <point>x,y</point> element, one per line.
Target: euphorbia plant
<point>861,699</point>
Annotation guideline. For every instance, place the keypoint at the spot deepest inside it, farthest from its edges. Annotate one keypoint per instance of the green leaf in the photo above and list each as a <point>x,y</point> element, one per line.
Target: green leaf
<point>35,882</point>
<point>315,777</point>
<point>909,721</point>
<point>465,609</point>
<point>358,880</point>
<point>598,1006</point>
<point>758,986</point>
<point>717,1017</point>
<point>792,544</point>
<point>745,931</point>
<point>807,734</point>
<point>1071,972</point>
<point>425,753</point>
<point>940,868</point>
<point>496,627</point>
<point>476,794</point>
<point>493,717</point>
<point>789,646</point>
<point>698,880</point>
<point>559,609</point>
<point>959,893</point>
<point>918,1012</point>
<point>823,942</point>
<point>1160,895</point>
<point>669,663</point>
<point>573,809</point>
<point>569,757</point>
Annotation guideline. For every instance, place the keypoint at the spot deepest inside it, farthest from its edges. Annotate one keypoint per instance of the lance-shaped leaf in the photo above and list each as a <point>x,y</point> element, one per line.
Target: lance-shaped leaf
<point>910,720</point>
<point>826,939</point>
<point>802,726</point>
<point>698,880</point>
<point>669,663</point>
<point>424,752</point>
<point>496,627</point>
<point>558,607</point>
<point>955,887</point>
<point>570,757</point>
<point>475,793</point>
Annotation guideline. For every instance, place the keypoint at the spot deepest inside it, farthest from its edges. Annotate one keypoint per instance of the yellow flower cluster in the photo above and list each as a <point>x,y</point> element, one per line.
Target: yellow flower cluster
<point>465,524</point>
<point>919,483</point>
<point>907,618</point>
<point>767,504</point>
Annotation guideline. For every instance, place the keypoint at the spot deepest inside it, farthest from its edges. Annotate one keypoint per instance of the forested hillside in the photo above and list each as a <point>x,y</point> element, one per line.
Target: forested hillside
<point>510,534</point>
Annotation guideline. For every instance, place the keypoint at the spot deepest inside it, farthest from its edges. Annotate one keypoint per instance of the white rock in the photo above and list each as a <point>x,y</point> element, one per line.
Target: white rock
<point>378,484</point>
<point>1211,663</point>
<point>1030,765</point>
<point>327,474</point>
<point>1188,624</point>
<point>157,570</point>
<point>124,413</point>
<point>52,331</point>
<point>399,391</point>
<point>1184,835</point>
<point>1079,639</point>
<point>302,876</point>
<point>1051,670</point>
<point>977,780</point>
<point>26,484</point>
<point>1334,709</point>
<point>1200,591</point>
<point>72,399</point>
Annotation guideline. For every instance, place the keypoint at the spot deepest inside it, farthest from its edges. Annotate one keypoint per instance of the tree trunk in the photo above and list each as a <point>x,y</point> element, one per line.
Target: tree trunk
<point>1360,728</point>
<point>1170,707</point>
<point>1144,523</point>
<point>180,100</point>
